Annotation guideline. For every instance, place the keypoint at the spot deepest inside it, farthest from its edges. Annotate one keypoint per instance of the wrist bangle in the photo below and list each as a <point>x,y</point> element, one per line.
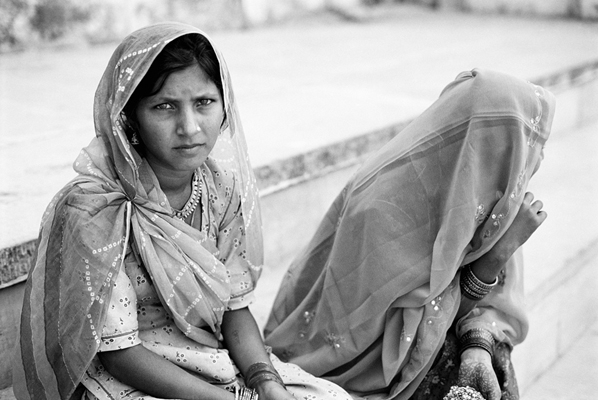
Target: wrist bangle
<point>243,393</point>
<point>477,337</point>
<point>261,372</point>
<point>472,287</point>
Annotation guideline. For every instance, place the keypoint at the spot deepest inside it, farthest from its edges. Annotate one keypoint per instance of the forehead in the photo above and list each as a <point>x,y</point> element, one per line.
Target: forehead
<point>188,80</point>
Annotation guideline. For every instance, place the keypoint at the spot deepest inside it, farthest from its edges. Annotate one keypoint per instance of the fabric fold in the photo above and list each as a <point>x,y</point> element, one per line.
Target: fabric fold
<point>383,267</point>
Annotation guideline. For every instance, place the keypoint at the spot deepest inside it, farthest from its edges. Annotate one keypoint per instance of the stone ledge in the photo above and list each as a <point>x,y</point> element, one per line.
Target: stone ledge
<point>569,78</point>
<point>15,263</point>
<point>293,170</point>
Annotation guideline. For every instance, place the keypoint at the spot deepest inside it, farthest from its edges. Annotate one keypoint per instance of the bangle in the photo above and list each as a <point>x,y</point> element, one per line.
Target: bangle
<point>477,337</point>
<point>472,287</point>
<point>261,372</point>
<point>243,393</point>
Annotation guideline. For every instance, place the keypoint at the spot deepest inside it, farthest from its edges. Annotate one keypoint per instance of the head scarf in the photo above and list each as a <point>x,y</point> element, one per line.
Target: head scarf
<point>116,200</point>
<point>369,301</point>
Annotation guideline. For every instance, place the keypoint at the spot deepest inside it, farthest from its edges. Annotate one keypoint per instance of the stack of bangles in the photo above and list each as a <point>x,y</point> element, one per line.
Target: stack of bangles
<point>477,337</point>
<point>260,372</point>
<point>244,393</point>
<point>472,287</point>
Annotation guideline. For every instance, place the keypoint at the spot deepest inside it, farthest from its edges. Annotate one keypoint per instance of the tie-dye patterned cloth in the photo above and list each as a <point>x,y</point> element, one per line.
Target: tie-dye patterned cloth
<point>114,202</point>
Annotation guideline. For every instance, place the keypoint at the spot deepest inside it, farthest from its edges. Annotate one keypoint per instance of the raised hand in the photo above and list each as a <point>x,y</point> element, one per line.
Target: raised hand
<point>529,217</point>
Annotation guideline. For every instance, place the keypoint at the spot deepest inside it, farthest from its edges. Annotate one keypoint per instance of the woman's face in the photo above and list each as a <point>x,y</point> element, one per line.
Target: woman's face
<point>179,125</point>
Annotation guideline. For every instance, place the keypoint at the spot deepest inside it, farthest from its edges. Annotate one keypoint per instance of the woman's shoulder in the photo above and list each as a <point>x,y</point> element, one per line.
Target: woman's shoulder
<point>82,199</point>
<point>66,196</point>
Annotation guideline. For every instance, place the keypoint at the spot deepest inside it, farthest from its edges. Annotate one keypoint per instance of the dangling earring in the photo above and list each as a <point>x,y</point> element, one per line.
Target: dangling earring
<point>134,139</point>
<point>129,127</point>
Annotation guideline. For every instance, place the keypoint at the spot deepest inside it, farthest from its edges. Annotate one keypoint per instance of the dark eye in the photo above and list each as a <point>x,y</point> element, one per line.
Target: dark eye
<point>205,102</point>
<point>164,106</point>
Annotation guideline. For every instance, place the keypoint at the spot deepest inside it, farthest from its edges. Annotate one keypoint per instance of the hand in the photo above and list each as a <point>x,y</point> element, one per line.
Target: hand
<point>529,217</point>
<point>270,390</point>
<point>501,361</point>
<point>476,371</point>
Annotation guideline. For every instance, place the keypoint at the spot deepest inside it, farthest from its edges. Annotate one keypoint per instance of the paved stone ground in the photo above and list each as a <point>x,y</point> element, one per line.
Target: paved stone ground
<point>573,377</point>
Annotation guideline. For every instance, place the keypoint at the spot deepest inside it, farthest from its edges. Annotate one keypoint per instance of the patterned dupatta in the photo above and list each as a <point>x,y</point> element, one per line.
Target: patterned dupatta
<point>116,200</point>
<point>368,303</point>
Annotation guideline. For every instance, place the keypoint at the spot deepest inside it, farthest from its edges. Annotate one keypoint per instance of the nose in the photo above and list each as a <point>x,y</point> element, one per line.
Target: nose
<point>188,123</point>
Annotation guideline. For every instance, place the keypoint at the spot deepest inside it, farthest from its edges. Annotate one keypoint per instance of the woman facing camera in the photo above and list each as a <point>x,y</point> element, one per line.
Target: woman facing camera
<point>413,282</point>
<point>148,259</point>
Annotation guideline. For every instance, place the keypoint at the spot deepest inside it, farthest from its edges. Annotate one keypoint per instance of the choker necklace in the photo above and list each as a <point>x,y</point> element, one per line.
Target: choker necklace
<point>193,201</point>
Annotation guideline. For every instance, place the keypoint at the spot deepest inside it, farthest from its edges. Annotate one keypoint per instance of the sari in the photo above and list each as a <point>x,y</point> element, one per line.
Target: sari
<point>112,227</point>
<point>369,302</point>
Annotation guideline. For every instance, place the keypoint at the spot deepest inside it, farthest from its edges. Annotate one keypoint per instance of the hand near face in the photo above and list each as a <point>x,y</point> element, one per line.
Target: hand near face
<point>476,371</point>
<point>529,217</point>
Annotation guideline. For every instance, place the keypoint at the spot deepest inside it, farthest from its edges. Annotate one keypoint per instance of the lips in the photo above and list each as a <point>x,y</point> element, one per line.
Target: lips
<point>188,146</point>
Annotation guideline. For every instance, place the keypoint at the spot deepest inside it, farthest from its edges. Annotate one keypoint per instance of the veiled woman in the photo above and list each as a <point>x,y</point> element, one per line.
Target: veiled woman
<point>420,249</point>
<point>148,259</point>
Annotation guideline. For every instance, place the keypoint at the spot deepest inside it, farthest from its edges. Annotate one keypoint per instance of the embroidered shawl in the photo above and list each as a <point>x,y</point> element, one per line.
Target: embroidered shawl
<point>116,199</point>
<point>368,303</point>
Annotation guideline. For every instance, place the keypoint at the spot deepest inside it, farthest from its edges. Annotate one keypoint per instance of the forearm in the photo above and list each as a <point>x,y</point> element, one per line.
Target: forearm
<point>246,347</point>
<point>502,312</point>
<point>486,269</point>
<point>154,375</point>
<point>243,339</point>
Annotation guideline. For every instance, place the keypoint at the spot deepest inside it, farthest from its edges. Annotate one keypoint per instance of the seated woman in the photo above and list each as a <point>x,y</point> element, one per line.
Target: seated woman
<point>419,249</point>
<point>148,259</point>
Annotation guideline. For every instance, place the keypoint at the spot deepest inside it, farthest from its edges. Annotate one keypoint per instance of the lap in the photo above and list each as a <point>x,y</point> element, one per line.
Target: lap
<point>304,385</point>
<point>299,383</point>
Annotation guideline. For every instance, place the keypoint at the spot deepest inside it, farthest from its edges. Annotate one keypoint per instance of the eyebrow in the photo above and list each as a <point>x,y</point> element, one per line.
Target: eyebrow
<point>165,97</point>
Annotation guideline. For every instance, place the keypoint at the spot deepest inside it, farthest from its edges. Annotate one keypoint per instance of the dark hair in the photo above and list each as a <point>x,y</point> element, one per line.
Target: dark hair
<point>179,54</point>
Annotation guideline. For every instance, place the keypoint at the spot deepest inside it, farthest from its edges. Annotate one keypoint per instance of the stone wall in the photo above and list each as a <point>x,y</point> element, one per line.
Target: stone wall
<point>583,9</point>
<point>33,23</point>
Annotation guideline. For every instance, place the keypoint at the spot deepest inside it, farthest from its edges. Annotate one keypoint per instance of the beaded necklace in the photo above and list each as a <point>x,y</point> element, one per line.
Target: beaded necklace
<point>193,200</point>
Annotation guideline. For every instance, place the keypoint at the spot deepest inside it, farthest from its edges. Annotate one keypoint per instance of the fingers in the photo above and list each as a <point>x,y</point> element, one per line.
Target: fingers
<point>492,395</point>
<point>535,207</point>
<point>479,375</point>
<point>528,198</point>
<point>542,215</point>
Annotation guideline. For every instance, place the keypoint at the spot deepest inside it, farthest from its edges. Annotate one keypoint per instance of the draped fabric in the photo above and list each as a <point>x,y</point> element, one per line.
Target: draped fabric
<point>116,201</point>
<point>368,303</point>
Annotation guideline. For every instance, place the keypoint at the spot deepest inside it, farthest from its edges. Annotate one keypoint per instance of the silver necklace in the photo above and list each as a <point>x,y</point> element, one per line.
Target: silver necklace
<point>193,200</point>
